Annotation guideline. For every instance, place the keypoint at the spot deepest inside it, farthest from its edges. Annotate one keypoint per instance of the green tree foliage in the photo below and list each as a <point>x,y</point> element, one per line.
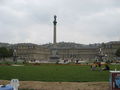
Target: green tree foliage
<point>4,52</point>
<point>118,52</point>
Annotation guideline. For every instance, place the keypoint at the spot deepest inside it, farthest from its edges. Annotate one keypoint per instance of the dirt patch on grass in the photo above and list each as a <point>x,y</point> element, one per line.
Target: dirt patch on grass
<point>37,85</point>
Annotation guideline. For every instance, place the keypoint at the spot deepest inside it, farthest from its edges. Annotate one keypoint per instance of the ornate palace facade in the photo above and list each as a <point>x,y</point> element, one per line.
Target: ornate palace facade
<point>28,51</point>
<point>109,49</point>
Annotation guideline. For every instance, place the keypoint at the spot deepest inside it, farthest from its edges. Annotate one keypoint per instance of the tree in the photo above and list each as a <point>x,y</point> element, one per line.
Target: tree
<point>4,52</point>
<point>118,52</point>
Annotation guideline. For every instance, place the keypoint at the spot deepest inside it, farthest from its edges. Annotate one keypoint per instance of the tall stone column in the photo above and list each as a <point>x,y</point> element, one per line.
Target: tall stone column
<point>54,57</point>
<point>54,33</point>
<point>54,52</point>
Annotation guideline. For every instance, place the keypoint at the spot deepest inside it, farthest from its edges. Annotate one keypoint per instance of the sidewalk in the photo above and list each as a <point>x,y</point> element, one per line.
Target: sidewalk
<point>37,85</point>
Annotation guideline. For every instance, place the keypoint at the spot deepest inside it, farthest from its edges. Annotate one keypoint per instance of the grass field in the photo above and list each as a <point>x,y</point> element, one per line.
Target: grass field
<point>60,73</point>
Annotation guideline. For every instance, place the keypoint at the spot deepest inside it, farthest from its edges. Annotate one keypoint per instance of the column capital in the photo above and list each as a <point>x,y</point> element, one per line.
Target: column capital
<point>55,21</point>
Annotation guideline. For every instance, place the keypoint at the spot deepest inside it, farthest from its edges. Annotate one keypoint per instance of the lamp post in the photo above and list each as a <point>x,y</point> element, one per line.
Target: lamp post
<point>14,56</point>
<point>100,55</point>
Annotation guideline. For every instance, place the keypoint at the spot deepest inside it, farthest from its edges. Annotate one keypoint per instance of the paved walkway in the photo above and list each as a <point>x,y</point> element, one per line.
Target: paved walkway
<point>37,85</point>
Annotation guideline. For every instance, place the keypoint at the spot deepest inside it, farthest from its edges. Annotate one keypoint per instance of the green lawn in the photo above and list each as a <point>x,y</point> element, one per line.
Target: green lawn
<point>71,73</point>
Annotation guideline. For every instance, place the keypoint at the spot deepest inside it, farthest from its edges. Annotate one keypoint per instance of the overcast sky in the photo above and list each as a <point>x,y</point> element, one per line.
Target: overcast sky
<point>80,21</point>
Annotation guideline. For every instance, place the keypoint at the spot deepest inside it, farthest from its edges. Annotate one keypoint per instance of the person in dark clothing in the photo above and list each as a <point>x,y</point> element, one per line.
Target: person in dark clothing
<point>106,67</point>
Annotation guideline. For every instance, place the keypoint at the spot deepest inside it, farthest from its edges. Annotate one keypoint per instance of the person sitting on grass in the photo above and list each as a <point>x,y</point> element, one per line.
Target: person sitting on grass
<point>106,67</point>
<point>99,66</point>
<point>93,66</point>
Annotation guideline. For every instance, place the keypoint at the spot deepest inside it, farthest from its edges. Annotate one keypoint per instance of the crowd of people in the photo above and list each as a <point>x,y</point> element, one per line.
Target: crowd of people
<point>98,66</point>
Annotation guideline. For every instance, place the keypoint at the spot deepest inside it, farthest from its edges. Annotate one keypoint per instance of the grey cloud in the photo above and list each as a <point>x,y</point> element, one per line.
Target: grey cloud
<point>78,20</point>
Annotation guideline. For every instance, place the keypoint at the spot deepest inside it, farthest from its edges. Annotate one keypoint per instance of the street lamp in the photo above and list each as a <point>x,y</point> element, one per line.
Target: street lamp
<point>100,55</point>
<point>14,56</point>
